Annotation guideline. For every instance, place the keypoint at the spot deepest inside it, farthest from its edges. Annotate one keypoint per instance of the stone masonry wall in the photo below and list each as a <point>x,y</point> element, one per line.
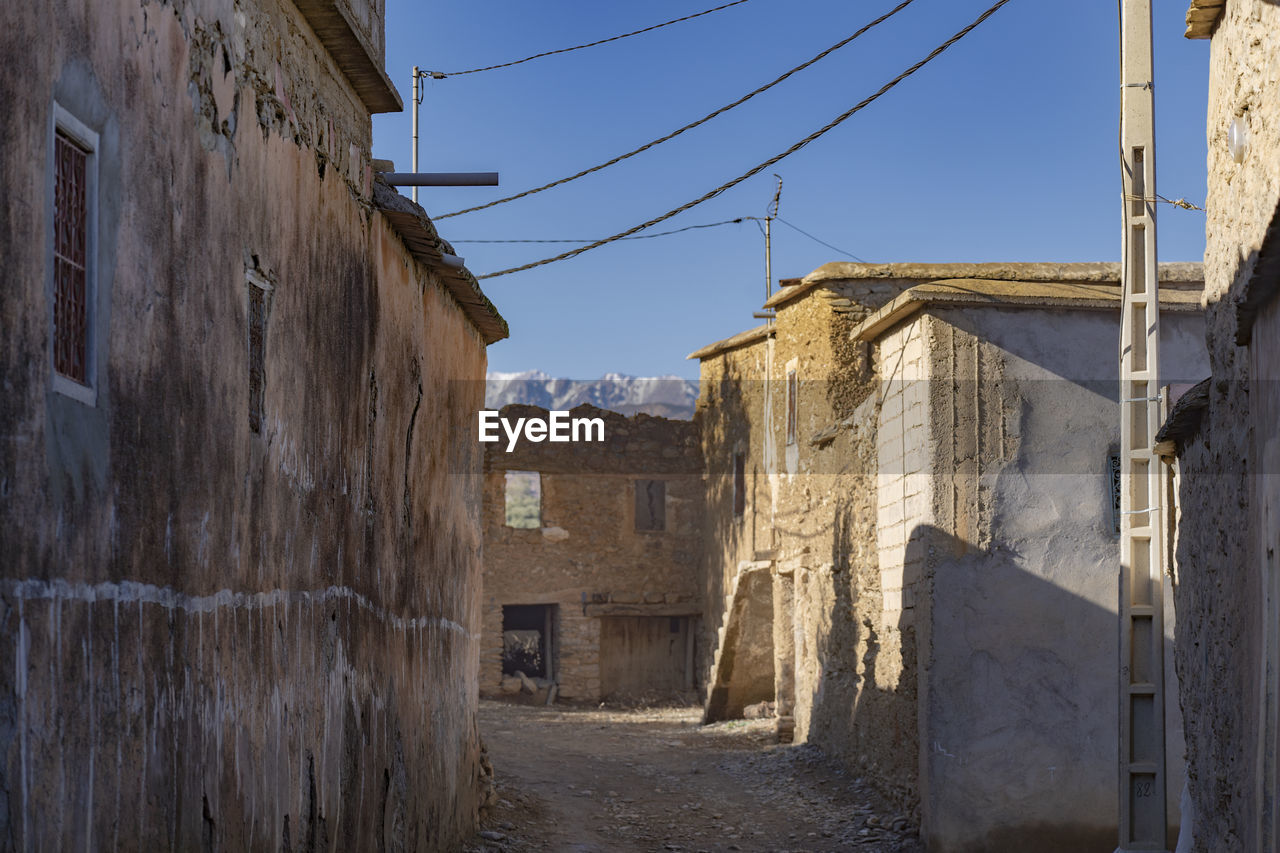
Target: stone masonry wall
<point>587,554</point>
<point>1219,646</point>
<point>216,638</point>
<point>731,410</point>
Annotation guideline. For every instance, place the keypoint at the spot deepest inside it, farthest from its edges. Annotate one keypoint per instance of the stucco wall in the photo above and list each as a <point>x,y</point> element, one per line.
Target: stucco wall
<point>588,552</point>
<point>1220,640</point>
<point>1018,640</point>
<point>215,637</point>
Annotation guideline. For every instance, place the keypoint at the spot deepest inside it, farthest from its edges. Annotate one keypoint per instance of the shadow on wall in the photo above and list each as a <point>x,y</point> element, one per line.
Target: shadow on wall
<point>722,436</point>
<point>1018,706</point>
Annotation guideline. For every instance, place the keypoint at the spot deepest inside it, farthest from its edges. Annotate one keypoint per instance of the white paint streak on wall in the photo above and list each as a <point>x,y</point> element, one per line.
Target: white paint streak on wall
<point>59,590</point>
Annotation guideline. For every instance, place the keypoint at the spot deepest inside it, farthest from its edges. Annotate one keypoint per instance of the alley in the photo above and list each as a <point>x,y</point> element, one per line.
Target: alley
<point>587,780</point>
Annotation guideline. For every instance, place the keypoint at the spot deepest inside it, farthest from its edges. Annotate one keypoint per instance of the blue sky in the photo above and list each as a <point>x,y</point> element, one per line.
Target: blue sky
<point>1002,149</point>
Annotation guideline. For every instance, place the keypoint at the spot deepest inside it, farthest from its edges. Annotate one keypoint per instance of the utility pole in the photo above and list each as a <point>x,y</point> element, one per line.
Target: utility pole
<point>417,179</point>
<point>417,82</point>
<point>771,214</point>
<point>1142,796</point>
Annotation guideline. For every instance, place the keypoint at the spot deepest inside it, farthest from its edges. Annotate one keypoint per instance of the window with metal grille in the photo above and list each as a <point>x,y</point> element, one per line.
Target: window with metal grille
<point>71,259</point>
<point>651,505</point>
<point>1113,476</point>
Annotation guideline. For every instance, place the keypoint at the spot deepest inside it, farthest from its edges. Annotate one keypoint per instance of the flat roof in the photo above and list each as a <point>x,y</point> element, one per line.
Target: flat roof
<point>741,339</point>
<point>990,293</point>
<point>1172,273</point>
<point>421,239</point>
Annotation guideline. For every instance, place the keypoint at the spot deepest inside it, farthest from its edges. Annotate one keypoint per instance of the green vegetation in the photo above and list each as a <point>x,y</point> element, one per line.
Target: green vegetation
<point>524,499</point>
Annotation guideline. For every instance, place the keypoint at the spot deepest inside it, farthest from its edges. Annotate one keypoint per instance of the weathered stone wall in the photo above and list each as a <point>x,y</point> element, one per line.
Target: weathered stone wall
<point>1018,642</point>
<point>587,557</point>
<point>838,666</point>
<point>849,693</point>
<point>216,639</point>
<point>732,410</point>
<point>1222,568</point>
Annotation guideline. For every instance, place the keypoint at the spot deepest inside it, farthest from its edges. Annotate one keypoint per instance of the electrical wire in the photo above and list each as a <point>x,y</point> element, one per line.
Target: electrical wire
<point>440,75</point>
<point>633,237</point>
<point>816,240</point>
<point>708,117</point>
<point>767,163</point>
<point>1176,202</point>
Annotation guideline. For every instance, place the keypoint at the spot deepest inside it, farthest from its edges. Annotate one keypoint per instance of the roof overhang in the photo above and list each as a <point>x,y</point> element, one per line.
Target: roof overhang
<point>352,52</point>
<point>987,293</point>
<point>1203,17</point>
<point>741,339</point>
<point>910,273</point>
<point>424,243</point>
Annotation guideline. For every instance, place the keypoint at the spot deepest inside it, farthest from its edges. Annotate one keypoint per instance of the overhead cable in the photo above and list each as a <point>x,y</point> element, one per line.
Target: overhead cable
<point>440,75</point>
<point>767,163</point>
<point>633,237</point>
<point>816,240</point>
<point>708,117</point>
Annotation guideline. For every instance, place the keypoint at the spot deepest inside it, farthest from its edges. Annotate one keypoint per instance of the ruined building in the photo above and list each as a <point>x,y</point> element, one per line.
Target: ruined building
<point>912,535</point>
<point>591,560</point>
<point>239,496</point>
<point>1226,438</point>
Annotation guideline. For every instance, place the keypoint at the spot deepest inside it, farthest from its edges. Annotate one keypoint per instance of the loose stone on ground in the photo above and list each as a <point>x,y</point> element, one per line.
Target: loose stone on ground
<point>588,780</point>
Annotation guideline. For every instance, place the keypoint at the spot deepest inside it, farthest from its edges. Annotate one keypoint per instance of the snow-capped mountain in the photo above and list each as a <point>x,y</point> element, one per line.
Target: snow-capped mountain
<point>668,396</point>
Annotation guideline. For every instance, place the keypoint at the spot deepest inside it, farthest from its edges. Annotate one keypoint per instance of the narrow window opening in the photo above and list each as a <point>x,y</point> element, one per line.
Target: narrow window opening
<point>793,388</point>
<point>1113,476</point>
<point>651,505</point>
<point>739,483</point>
<point>72,186</point>
<point>70,254</point>
<point>259,306</point>
<point>523,498</point>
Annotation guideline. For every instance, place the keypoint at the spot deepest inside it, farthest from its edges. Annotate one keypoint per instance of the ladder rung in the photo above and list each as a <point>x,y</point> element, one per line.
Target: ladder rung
<point>1141,767</point>
<point>1141,610</point>
<point>1141,688</point>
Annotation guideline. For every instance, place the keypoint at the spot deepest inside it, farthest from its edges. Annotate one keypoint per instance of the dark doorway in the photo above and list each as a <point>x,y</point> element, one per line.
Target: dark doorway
<point>528,646</point>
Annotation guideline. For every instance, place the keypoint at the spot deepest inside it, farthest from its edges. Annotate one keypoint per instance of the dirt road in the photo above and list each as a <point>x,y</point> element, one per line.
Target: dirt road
<point>591,781</point>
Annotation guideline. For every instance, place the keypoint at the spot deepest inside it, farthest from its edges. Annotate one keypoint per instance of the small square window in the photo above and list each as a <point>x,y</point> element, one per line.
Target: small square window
<point>651,505</point>
<point>523,499</point>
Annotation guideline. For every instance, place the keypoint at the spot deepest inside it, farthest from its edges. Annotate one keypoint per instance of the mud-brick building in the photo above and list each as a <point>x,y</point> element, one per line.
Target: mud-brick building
<point>239,497</point>
<point>1226,439</point>
<point>595,588</point>
<point>911,473</point>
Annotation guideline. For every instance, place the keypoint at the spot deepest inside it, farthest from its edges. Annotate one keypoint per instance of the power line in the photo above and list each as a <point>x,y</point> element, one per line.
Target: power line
<point>440,75</point>
<point>816,240</point>
<point>634,237</point>
<point>767,163</point>
<point>708,117</point>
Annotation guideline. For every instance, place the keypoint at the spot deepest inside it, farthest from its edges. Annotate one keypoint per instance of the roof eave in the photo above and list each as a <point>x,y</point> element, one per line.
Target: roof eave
<point>410,222</point>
